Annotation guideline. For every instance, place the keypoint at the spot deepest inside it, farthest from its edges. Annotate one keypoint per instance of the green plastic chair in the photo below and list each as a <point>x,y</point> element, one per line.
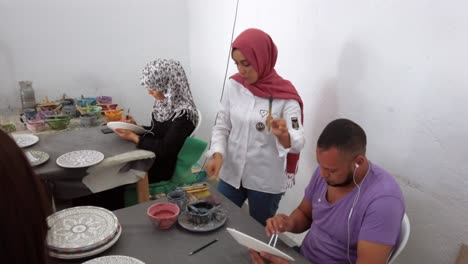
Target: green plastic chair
<point>188,155</point>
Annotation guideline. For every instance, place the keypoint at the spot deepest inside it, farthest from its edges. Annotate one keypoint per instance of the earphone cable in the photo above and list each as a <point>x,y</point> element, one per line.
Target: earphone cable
<point>356,198</point>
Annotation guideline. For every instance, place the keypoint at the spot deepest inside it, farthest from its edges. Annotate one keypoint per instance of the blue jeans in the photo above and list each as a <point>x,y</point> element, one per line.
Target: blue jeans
<point>261,205</point>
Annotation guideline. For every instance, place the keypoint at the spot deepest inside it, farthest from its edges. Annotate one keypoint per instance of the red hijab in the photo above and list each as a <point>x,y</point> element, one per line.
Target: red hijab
<point>258,48</point>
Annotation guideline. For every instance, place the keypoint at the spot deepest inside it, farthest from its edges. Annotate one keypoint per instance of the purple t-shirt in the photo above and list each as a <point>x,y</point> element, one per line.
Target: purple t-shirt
<point>376,217</point>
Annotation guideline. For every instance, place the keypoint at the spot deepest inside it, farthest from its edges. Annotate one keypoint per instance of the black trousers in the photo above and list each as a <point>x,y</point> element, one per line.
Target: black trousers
<point>111,199</point>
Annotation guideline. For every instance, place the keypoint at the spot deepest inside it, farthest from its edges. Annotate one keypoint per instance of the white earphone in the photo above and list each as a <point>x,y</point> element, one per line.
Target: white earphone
<point>356,198</point>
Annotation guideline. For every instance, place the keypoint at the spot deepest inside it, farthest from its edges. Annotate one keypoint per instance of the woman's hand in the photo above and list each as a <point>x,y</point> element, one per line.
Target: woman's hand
<point>278,224</point>
<point>258,258</point>
<point>129,119</point>
<point>127,135</point>
<point>213,166</point>
<point>279,128</point>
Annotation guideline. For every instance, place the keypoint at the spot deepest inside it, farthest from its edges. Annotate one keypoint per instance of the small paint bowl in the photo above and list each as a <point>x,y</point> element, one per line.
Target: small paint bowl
<point>179,197</point>
<point>85,102</point>
<point>8,128</point>
<point>113,115</point>
<point>104,99</point>
<point>44,114</point>
<point>49,106</point>
<point>201,212</point>
<point>163,215</point>
<point>58,122</point>
<point>70,110</point>
<point>88,120</point>
<point>36,125</point>
<point>96,110</point>
<point>106,107</point>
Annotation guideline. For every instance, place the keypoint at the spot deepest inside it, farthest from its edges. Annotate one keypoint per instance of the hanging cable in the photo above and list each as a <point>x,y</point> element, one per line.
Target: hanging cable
<point>229,53</point>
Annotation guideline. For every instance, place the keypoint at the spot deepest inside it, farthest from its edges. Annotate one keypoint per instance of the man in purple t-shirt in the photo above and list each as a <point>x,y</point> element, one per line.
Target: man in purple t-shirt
<point>352,207</point>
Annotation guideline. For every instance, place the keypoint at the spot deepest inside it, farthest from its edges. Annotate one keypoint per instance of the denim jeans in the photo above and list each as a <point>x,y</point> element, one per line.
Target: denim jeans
<point>261,205</point>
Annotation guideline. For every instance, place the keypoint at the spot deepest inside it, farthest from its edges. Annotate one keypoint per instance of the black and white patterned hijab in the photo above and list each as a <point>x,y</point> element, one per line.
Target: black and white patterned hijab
<point>169,77</point>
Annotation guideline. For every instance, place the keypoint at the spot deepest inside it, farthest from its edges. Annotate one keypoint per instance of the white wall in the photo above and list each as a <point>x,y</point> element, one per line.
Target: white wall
<point>88,47</point>
<point>398,68</point>
<point>210,30</point>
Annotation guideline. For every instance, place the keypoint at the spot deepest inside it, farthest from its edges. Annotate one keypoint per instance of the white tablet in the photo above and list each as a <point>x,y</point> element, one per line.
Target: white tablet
<point>256,245</point>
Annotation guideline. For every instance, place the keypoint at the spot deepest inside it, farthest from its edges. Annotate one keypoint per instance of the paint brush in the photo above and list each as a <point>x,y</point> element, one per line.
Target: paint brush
<point>203,247</point>
<point>269,117</point>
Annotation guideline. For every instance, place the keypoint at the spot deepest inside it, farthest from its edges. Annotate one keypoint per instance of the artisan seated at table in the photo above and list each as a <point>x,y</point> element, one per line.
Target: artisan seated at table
<point>352,208</point>
<point>174,118</point>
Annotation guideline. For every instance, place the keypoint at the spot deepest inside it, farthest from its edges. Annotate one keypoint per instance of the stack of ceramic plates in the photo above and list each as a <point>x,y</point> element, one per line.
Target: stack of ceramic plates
<point>114,260</point>
<point>80,232</point>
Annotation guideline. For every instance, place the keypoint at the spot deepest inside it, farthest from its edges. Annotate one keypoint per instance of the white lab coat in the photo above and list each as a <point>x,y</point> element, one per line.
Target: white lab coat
<point>251,155</point>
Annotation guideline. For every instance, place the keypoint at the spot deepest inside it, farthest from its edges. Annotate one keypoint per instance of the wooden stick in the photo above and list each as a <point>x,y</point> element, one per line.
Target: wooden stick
<point>142,187</point>
<point>195,186</point>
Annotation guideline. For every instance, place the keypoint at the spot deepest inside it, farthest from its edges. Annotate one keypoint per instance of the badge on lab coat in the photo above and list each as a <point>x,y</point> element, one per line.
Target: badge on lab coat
<point>295,123</point>
<point>260,126</point>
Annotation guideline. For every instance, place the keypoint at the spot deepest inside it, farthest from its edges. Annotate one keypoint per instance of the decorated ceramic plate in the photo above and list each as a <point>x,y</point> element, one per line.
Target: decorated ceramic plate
<point>80,228</point>
<point>220,217</point>
<point>88,253</point>
<point>256,245</point>
<point>114,260</point>
<point>25,140</point>
<point>122,125</point>
<point>80,159</point>
<point>36,157</point>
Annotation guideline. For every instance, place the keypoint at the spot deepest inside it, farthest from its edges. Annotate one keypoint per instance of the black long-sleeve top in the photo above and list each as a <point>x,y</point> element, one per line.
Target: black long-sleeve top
<point>169,137</point>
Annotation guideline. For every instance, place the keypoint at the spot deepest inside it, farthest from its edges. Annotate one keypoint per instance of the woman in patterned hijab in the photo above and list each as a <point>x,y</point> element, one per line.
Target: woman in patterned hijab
<point>167,78</point>
<point>174,116</point>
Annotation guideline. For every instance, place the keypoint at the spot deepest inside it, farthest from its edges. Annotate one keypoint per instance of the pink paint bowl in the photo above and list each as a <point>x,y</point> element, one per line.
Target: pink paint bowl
<point>106,107</point>
<point>35,125</point>
<point>163,215</point>
<point>44,114</point>
<point>104,99</point>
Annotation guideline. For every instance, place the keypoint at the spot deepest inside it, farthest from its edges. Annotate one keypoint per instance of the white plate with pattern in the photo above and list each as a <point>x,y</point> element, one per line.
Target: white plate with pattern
<point>87,253</point>
<point>36,157</point>
<point>25,140</point>
<point>256,245</point>
<point>80,228</point>
<point>114,260</point>
<point>122,125</point>
<point>80,159</point>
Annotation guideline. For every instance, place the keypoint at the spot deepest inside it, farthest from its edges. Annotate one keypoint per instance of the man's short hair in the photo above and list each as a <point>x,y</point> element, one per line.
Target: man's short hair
<point>345,135</point>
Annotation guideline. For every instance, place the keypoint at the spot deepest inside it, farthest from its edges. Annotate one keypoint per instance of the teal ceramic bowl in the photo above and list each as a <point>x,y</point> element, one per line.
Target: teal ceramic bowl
<point>86,102</point>
<point>92,110</point>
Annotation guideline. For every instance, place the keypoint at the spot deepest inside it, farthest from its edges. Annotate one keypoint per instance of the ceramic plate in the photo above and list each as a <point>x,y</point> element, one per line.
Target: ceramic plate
<point>114,260</point>
<point>256,245</point>
<point>37,157</point>
<point>218,221</point>
<point>80,159</point>
<point>25,140</point>
<point>80,228</point>
<point>87,253</point>
<point>122,125</point>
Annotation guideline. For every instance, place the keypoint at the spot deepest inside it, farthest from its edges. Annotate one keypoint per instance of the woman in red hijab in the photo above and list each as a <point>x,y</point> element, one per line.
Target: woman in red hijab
<point>258,133</point>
